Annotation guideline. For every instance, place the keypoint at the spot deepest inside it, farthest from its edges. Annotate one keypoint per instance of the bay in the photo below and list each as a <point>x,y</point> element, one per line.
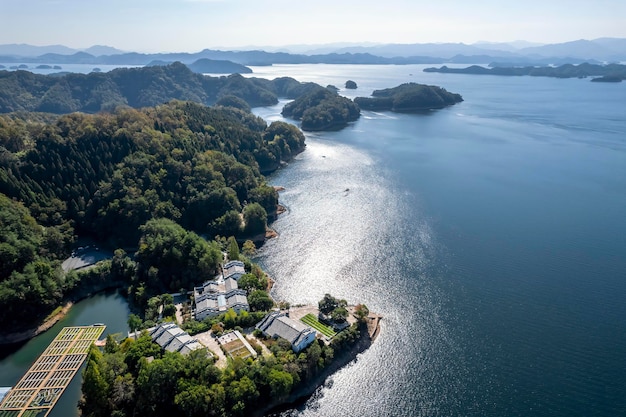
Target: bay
<point>491,236</point>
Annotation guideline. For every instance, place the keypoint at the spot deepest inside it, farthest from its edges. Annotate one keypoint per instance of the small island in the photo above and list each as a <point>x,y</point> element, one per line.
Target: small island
<point>43,66</point>
<point>322,109</point>
<point>351,85</point>
<point>408,98</point>
<point>609,79</point>
<point>215,66</point>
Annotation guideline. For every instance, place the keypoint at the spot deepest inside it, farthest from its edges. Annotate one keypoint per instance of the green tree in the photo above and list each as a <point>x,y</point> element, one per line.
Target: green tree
<point>134,323</point>
<point>181,258</point>
<point>250,282</point>
<point>228,224</point>
<point>280,383</point>
<point>243,391</point>
<point>95,388</point>
<point>194,400</point>
<point>233,249</point>
<point>339,314</point>
<point>327,304</point>
<point>157,385</point>
<point>255,219</point>
<point>361,311</point>
<point>259,300</point>
<point>141,348</point>
<point>249,248</point>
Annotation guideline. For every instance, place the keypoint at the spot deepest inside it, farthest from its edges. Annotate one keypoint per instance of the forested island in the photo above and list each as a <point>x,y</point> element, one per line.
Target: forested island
<point>613,71</point>
<point>316,107</point>
<point>409,97</point>
<point>208,66</point>
<point>218,66</point>
<point>322,109</point>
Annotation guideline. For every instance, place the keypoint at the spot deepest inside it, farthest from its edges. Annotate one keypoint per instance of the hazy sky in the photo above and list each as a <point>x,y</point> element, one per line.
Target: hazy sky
<point>192,25</point>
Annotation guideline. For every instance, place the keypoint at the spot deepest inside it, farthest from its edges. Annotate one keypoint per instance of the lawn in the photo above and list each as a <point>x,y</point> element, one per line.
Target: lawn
<point>312,321</point>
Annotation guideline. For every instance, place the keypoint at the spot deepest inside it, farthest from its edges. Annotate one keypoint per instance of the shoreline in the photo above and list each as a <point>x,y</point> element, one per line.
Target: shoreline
<point>369,332</point>
<point>25,335</point>
<point>306,389</point>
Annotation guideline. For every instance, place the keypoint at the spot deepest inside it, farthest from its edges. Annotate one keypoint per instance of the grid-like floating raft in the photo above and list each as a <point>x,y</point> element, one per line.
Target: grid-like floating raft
<point>42,385</point>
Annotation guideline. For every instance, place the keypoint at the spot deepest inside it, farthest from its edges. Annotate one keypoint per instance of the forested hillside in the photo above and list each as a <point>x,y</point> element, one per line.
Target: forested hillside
<point>134,87</point>
<point>322,109</point>
<point>106,175</point>
<point>409,97</point>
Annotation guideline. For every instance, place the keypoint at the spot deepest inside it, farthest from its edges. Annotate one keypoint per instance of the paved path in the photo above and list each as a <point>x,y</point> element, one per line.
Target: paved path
<point>207,340</point>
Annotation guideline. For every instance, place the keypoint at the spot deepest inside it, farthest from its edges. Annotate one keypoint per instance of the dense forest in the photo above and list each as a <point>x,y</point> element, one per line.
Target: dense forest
<point>108,175</point>
<point>135,87</point>
<point>409,97</point>
<point>322,109</point>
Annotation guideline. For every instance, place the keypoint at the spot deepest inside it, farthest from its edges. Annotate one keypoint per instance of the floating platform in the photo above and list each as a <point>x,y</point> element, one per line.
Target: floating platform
<point>42,385</point>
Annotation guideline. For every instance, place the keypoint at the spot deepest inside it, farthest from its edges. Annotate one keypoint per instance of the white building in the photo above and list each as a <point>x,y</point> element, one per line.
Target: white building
<point>216,297</point>
<point>277,324</point>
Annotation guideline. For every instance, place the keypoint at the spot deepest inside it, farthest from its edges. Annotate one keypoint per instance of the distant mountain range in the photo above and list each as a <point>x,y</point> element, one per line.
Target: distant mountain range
<point>513,53</point>
<point>25,50</point>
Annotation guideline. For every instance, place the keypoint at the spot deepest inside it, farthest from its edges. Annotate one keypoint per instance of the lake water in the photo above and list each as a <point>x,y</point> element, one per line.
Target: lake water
<point>491,235</point>
<point>108,308</point>
<point>74,68</point>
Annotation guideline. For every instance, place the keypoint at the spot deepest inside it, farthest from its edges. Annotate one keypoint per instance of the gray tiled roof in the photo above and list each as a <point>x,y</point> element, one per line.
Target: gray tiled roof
<point>213,298</point>
<point>234,268</point>
<point>173,339</point>
<point>277,324</point>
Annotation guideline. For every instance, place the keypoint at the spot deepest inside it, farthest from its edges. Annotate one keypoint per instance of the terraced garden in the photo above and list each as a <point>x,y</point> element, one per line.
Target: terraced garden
<point>312,321</point>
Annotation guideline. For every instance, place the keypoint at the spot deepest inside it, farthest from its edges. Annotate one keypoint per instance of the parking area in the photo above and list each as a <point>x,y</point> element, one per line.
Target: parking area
<point>84,257</point>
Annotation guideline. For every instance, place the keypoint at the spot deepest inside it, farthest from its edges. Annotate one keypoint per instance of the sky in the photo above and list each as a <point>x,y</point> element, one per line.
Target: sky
<point>193,25</point>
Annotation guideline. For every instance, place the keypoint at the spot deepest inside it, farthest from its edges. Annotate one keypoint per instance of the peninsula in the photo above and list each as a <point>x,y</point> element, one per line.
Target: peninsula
<point>612,71</point>
<point>175,171</point>
<point>252,356</point>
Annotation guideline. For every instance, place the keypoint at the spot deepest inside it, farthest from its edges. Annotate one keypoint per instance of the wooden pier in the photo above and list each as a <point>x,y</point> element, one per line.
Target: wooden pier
<point>42,385</point>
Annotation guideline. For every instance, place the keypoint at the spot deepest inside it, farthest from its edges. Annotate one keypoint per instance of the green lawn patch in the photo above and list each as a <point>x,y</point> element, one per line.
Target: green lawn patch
<point>312,321</point>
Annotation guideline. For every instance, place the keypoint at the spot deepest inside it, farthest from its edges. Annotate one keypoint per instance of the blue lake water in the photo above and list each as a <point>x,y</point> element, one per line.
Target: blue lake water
<point>109,308</point>
<point>491,235</point>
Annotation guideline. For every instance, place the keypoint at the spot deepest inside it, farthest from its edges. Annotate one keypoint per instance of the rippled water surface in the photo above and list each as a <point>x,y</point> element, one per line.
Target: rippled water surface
<point>491,235</point>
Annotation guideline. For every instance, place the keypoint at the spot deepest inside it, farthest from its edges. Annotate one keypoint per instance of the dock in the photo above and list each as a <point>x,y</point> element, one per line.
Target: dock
<point>43,384</point>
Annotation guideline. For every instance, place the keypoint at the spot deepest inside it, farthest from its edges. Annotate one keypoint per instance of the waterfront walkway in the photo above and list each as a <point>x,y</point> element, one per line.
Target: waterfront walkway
<point>42,385</point>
